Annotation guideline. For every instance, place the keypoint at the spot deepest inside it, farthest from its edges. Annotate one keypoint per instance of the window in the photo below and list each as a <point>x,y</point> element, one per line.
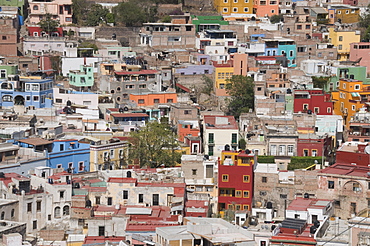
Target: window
<point>225,10</point>
<point>211,137</point>
<point>264,179</point>
<point>57,212</point>
<point>290,150</point>
<point>282,149</point>
<point>246,178</point>
<point>246,194</point>
<point>35,98</point>
<point>141,101</point>
<point>141,198</point>
<point>340,38</point>
<point>155,199</point>
<point>7,98</point>
<point>299,27</point>
<point>38,206</point>
<point>35,7</point>
<point>174,39</point>
<point>353,107</point>
<point>34,224</point>
<point>235,9</point>
<point>66,210</point>
<point>316,110</point>
<point>305,152</point>
<point>61,194</point>
<point>125,194</point>
<point>314,152</point>
<point>194,171</point>
<point>357,87</point>
<point>3,74</point>
<point>109,201</point>
<point>156,100</point>
<point>356,187</point>
<point>81,166</point>
<point>340,47</point>
<point>347,12</point>
<point>263,193</point>
<point>169,100</point>
<point>210,150</point>
<point>97,200</point>
<point>12,213</point>
<point>234,138</point>
<point>101,231</point>
<point>283,196</point>
<point>238,193</point>
<point>330,184</point>
<point>246,207</point>
<point>225,178</point>
<point>230,206</point>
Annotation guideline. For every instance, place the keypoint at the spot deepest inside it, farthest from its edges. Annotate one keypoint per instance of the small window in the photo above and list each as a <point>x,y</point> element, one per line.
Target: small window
<point>263,193</point>
<point>238,193</point>
<point>34,224</point>
<point>235,9</point>
<point>125,194</point>
<point>246,207</point>
<point>35,7</point>
<point>225,178</point>
<point>330,184</point>
<point>29,207</point>
<point>246,178</point>
<point>264,179</point>
<point>61,194</point>
<point>283,196</point>
<point>141,101</point>
<point>246,194</point>
<point>357,87</point>
<point>246,9</point>
<point>340,38</point>
<point>109,201</point>
<point>38,206</point>
<point>169,100</point>
<point>225,9</point>
<point>194,171</point>
<point>4,37</point>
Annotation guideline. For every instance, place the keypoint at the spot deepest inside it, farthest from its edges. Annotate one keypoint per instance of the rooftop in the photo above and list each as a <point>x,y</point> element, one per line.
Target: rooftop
<point>303,204</point>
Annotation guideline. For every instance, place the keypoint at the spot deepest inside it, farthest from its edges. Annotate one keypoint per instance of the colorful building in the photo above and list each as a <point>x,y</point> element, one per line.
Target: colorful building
<point>222,72</point>
<point>58,9</point>
<point>110,156</point>
<point>264,8</point>
<point>6,70</point>
<point>313,145</point>
<point>342,40</point>
<point>31,93</point>
<point>350,97</point>
<point>314,101</point>
<point>82,78</point>
<point>343,14</point>
<point>202,23</point>
<point>153,99</point>
<point>235,180</point>
<point>226,7</point>
<point>360,51</point>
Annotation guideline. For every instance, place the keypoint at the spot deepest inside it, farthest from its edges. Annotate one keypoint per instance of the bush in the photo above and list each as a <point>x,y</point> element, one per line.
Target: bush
<point>302,162</point>
<point>265,159</point>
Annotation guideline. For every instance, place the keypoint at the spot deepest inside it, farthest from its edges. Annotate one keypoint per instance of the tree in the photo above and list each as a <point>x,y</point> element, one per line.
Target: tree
<point>48,24</point>
<point>320,82</point>
<point>80,8</point>
<point>364,20</point>
<point>276,19</point>
<point>242,143</point>
<point>135,12</point>
<point>97,14</point>
<point>155,145</point>
<point>241,91</point>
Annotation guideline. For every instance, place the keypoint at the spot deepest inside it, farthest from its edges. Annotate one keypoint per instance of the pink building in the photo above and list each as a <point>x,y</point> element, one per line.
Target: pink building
<point>59,9</point>
<point>360,50</point>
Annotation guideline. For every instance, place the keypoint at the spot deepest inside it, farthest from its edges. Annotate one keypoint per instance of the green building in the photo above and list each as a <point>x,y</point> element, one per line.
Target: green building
<point>6,70</point>
<point>15,3</point>
<point>347,72</point>
<point>208,22</point>
<point>83,77</point>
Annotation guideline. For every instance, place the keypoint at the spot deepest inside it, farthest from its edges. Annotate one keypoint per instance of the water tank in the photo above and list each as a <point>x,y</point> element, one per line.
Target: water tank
<point>289,91</point>
<point>313,229</point>
<point>247,151</point>
<point>316,223</point>
<point>120,110</point>
<point>269,205</point>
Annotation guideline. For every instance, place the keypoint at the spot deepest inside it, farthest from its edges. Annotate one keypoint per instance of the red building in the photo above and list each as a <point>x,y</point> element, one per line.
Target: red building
<point>235,180</point>
<point>313,145</point>
<point>187,128</point>
<point>353,152</point>
<point>315,100</point>
<point>36,31</point>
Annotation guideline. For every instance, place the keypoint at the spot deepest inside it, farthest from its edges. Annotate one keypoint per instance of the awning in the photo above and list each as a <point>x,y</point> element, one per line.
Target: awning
<point>355,94</point>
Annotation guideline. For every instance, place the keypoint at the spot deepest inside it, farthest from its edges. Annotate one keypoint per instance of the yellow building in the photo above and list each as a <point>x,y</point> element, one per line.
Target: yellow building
<point>226,7</point>
<point>222,73</point>
<point>343,14</point>
<point>349,98</point>
<point>342,40</point>
<point>108,156</point>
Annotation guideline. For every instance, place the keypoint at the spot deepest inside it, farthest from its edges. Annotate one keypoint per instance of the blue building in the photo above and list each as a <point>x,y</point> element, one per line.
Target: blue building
<point>282,46</point>
<point>31,93</point>
<point>69,154</point>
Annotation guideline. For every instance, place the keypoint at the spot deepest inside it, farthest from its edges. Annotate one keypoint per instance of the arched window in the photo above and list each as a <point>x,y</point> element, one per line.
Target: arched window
<point>66,210</point>
<point>128,174</point>
<point>3,215</point>
<point>35,7</point>
<point>6,86</point>
<point>7,98</point>
<point>57,212</point>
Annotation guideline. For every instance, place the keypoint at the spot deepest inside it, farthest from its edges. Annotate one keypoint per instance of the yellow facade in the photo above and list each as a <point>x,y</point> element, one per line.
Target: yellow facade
<point>221,75</point>
<point>342,40</point>
<point>108,156</point>
<point>348,98</point>
<point>226,7</point>
<point>231,158</point>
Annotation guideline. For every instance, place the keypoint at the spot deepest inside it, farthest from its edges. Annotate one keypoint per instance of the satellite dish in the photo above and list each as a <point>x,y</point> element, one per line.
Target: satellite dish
<point>367,149</point>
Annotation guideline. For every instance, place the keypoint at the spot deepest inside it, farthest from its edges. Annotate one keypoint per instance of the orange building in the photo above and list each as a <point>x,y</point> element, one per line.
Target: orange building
<point>266,7</point>
<point>153,98</point>
<point>187,128</point>
<point>240,62</point>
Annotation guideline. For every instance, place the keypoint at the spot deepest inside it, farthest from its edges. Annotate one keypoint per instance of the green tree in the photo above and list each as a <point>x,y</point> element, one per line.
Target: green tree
<point>135,12</point>
<point>320,82</point>
<point>276,18</point>
<point>48,24</point>
<point>241,91</point>
<point>87,52</point>
<point>97,14</point>
<point>154,145</point>
<point>242,143</point>
<point>80,8</point>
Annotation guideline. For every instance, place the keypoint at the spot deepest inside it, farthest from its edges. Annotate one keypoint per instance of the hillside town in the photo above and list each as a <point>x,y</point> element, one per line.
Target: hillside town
<point>184,123</point>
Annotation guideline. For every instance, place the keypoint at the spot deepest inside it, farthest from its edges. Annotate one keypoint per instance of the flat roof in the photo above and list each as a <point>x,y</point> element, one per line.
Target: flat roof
<point>146,211</point>
<point>36,141</point>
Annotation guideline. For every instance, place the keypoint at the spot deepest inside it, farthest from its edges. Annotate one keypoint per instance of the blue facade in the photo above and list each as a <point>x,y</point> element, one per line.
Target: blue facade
<point>36,93</point>
<point>290,51</point>
<point>195,69</point>
<point>69,154</point>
